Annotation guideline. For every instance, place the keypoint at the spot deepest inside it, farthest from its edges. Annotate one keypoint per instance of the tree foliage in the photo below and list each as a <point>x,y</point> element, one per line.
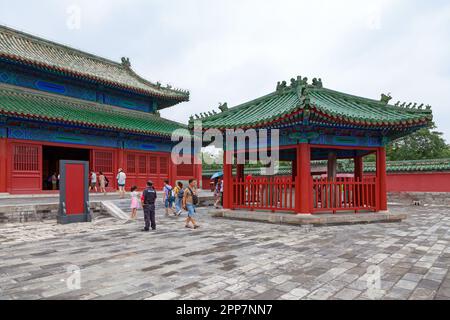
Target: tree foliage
<point>423,144</point>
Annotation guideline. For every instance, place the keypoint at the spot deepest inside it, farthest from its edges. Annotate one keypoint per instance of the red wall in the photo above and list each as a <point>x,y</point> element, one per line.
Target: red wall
<point>419,182</point>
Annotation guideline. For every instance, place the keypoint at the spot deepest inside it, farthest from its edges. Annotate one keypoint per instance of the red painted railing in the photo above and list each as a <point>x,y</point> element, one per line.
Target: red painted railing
<point>345,194</point>
<point>264,193</point>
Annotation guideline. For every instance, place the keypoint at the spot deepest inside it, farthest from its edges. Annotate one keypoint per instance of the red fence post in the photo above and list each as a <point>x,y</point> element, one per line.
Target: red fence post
<point>303,190</point>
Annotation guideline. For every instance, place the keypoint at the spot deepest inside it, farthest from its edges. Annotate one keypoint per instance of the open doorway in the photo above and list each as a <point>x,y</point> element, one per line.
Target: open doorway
<point>50,163</point>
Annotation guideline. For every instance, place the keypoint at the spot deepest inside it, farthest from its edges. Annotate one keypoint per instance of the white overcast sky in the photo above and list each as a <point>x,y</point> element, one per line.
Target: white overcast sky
<point>236,50</point>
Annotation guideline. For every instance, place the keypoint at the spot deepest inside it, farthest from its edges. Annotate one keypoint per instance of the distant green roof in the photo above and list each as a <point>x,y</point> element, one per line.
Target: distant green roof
<point>312,104</point>
<point>30,104</point>
<point>31,50</point>
<point>346,166</point>
<point>406,166</point>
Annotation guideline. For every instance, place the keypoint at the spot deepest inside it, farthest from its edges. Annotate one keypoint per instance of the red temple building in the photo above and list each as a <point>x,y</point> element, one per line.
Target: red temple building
<point>315,123</point>
<point>59,103</point>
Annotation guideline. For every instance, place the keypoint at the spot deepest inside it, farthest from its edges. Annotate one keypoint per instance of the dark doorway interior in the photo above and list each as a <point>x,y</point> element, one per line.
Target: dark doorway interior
<point>50,162</point>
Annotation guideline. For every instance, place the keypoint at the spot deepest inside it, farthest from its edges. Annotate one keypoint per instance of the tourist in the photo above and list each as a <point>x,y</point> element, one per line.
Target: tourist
<point>93,185</point>
<point>134,202</point>
<point>121,182</point>
<point>168,198</point>
<point>102,180</point>
<point>190,200</point>
<point>179,194</point>
<point>148,203</point>
<point>218,193</point>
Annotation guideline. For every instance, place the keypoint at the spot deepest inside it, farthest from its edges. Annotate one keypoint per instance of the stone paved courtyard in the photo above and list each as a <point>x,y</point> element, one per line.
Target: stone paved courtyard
<point>229,260</point>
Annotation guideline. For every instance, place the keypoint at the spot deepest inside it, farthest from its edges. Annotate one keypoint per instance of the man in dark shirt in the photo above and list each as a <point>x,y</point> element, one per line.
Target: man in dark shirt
<point>148,203</point>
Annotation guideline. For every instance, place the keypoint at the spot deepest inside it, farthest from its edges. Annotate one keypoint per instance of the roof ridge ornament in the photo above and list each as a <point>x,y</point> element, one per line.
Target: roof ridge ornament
<point>126,62</point>
<point>223,106</point>
<point>317,83</point>
<point>281,87</point>
<point>412,106</point>
<point>385,98</point>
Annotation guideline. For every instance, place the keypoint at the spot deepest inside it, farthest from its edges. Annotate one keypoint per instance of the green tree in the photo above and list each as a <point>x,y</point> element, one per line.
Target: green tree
<point>423,144</point>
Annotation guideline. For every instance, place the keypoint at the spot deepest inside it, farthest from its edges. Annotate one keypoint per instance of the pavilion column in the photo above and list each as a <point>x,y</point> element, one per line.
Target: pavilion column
<point>359,172</point>
<point>3,159</point>
<point>240,178</point>
<point>359,167</point>
<point>332,166</point>
<point>294,169</point>
<point>303,188</point>
<point>227,182</point>
<point>382,179</point>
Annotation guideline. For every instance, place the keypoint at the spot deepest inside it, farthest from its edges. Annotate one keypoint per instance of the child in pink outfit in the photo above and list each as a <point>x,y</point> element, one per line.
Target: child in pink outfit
<point>135,203</point>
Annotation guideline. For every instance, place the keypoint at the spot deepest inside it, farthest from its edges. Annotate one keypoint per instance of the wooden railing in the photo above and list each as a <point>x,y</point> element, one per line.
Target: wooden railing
<point>345,194</point>
<point>264,193</point>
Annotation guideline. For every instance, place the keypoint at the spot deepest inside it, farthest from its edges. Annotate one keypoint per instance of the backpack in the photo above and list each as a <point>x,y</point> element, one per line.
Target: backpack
<point>195,199</point>
<point>181,194</point>
<point>171,194</point>
<point>106,182</point>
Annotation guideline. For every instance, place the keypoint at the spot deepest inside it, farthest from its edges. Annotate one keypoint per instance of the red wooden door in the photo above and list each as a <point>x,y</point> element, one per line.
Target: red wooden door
<point>103,161</point>
<point>141,167</point>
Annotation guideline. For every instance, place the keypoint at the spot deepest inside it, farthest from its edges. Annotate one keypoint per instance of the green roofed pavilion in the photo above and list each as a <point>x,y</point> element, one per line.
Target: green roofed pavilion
<point>315,124</point>
<point>312,105</point>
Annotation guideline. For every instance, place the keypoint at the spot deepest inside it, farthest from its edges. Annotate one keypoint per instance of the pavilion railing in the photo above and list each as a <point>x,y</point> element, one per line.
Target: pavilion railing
<point>264,193</point>
<point>345,194</point>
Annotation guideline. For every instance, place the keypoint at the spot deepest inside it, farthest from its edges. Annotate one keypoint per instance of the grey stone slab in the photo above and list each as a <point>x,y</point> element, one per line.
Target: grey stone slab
<point>227,259</point>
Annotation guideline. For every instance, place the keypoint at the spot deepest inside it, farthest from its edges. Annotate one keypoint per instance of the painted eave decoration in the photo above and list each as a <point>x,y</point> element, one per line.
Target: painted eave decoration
<point>26,49</point>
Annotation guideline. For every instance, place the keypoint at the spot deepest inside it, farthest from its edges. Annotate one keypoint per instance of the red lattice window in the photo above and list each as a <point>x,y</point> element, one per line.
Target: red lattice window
<point>142,164</point>
<point>26,158</point>
<point>185,170</point>
<point>163,165</point>
<point>131,163</point>
<point>103,161</point>
<point>153,165</point>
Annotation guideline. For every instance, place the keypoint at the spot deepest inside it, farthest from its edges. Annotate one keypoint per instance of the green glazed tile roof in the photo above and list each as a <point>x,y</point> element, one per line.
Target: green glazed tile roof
<point>317,105</point>
<point>433,165</point>
<point>27,49</point>
<point>30,104</point>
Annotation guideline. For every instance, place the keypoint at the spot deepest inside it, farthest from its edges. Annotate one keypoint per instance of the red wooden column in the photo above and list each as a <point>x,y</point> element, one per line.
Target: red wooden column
<point>359,169</point>
<point>241,180</point>
<point>3,159</point>
<point>382,179</point>
<point>303,188</point>
<point>120,164</point>
<point>294,169</point>
<point>199,176</point>
<point>227,182</point>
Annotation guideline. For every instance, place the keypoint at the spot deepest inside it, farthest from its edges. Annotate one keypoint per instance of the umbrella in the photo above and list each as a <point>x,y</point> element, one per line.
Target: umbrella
<point>217,175</point>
